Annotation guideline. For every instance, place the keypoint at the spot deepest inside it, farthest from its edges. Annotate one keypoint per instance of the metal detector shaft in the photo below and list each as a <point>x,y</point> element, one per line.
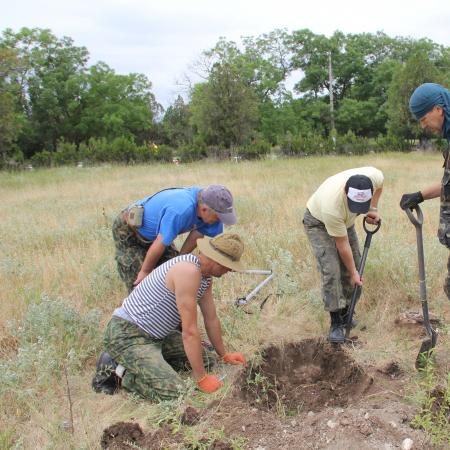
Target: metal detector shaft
<point>244,300</point>
<point>258,271</point>
<point>362,264</point>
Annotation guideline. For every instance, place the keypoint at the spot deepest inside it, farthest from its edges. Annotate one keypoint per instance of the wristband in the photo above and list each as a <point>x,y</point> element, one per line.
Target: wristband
<point>373,208</point>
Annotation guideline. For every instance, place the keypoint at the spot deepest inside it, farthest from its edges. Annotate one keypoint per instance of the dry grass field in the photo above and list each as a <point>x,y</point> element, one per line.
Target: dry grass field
<point>59,283</point>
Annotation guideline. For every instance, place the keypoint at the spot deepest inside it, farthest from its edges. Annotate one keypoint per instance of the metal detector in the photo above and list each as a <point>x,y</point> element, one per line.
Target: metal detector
<point>243,301</point>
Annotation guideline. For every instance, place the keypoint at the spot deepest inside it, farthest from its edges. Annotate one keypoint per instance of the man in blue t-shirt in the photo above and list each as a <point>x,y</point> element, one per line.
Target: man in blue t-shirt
<point>166,214</point>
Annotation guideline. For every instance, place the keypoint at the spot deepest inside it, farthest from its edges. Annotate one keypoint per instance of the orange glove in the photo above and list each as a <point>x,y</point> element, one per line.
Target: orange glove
<point>209,384</point>
<point>234,358</point>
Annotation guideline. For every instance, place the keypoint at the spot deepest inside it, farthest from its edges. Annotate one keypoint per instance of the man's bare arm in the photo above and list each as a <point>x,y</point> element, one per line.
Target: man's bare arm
<point>185,280</point>
<point>345,252</point>
<point>153,255</point>
<point>191,242</point>
<point>431,191</point>
<point>212,322</point>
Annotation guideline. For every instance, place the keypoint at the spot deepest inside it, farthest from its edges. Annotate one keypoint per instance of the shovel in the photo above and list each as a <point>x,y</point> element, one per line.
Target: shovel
<point>357,289</point>
<point>430,342</point>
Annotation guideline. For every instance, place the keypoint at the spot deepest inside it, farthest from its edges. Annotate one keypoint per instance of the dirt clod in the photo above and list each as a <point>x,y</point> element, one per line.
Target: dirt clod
<point>190,416</point>
<point>121,435</point>
<point>306,375</point>
<point>392,370</point>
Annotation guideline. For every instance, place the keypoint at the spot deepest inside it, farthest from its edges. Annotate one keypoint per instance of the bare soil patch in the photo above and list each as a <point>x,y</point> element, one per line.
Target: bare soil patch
<point>302,395</point>
<point>308,375</point>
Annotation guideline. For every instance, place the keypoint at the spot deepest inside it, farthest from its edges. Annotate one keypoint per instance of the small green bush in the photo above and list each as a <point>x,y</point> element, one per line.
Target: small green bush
<point>191,152</point>
<point>51,335</point>
<point>256,149</point>
<point>96,150</point>
<point>390,143</point>
<point>162,153</point>
<point>66,153</point>
<point>351,144</point>
<point>42,159</point>
<point>302,145</point>
<point>435,402</point>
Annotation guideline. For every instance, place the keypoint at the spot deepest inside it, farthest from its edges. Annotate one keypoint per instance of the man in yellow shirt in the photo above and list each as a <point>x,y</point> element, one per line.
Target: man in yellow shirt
<point>329,224</point>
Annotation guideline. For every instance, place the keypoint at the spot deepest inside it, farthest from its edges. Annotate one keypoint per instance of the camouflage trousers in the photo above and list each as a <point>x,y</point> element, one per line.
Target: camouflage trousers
<point>152,365</point>
<point>131,250</point>
<point>447,279</point>
<point>337,289</point>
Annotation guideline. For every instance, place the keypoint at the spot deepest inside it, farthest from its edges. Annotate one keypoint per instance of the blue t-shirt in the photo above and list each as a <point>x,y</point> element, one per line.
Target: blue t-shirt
<point>172,212</point>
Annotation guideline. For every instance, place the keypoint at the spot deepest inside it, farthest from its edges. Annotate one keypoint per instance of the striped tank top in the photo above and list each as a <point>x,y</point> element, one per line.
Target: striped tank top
<point>152,306</point>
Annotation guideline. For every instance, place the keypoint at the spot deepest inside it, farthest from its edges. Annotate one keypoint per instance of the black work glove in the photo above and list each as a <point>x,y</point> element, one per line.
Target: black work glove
<point>411,200</point>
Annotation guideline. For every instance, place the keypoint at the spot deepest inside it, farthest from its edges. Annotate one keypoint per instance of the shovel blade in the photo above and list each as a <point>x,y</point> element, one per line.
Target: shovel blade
<point>426,351</point>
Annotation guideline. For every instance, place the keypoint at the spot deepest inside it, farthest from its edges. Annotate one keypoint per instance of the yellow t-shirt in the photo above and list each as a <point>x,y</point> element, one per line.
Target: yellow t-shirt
<point>329,203</point>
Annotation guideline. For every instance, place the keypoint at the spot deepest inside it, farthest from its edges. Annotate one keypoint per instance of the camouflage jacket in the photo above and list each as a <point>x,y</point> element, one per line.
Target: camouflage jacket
<point>444,216</point>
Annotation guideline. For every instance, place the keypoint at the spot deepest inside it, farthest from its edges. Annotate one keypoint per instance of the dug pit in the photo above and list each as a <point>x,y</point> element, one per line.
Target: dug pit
<point>303,376</point>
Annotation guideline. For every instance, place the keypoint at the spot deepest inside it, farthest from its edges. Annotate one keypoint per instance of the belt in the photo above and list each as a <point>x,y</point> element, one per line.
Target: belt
<point>124,217</point>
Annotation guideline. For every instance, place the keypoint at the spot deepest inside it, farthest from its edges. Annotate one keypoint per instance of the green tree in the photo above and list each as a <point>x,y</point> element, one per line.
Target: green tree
<point>358,116</point>
<point>10,117</point>
<point>224,109</point>
<point>61,99</point>
<point>49,83</point>
<point>116,105</point>
<point>177,123</point>
<point>417,70</point>
<point>261,64</point>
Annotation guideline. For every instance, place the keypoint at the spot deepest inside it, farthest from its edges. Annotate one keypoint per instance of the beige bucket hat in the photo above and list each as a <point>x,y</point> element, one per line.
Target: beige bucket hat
<point>225,249</point>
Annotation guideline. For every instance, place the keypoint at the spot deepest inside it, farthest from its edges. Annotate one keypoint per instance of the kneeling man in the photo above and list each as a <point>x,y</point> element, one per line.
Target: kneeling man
<point>144,346</point>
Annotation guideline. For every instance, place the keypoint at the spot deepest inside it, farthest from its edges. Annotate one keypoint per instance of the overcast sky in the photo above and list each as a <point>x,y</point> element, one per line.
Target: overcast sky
<point>162,38</point>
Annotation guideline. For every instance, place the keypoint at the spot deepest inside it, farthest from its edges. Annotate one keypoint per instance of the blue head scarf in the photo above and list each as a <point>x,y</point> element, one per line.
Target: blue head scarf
<point>428,95</point>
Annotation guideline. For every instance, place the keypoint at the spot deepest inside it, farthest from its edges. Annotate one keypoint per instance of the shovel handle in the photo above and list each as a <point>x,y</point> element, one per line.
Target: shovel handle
<point>367,230</point>
<point>357,289</point>
<point>416,220</point>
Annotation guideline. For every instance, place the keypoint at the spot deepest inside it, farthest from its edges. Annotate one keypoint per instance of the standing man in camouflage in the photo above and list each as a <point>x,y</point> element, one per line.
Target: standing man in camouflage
<point>145,349</point>
<point>144,232</point>
<point>430,105</point>
<point>329,224</point>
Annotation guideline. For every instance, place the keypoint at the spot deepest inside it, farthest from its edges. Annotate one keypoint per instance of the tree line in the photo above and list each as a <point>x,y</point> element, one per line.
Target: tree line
<point>298,92</point>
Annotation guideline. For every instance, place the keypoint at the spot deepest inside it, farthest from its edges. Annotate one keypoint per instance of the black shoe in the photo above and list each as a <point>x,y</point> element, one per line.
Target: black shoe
<point>344,317</point>
<point>336,334</point>
<point>105,380</point>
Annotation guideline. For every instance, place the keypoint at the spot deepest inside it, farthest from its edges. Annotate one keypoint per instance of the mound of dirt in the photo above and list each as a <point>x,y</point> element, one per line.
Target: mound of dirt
<point>307,375</point>
<point>129,435</point>
<point>121,435</point>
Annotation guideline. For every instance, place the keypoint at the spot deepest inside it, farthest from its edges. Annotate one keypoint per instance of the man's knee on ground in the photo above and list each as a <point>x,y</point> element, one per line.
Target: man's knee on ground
<point>167,388</point>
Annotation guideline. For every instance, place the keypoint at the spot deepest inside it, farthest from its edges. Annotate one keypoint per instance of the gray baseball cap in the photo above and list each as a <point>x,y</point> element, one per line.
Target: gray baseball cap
<point>220,200</point>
